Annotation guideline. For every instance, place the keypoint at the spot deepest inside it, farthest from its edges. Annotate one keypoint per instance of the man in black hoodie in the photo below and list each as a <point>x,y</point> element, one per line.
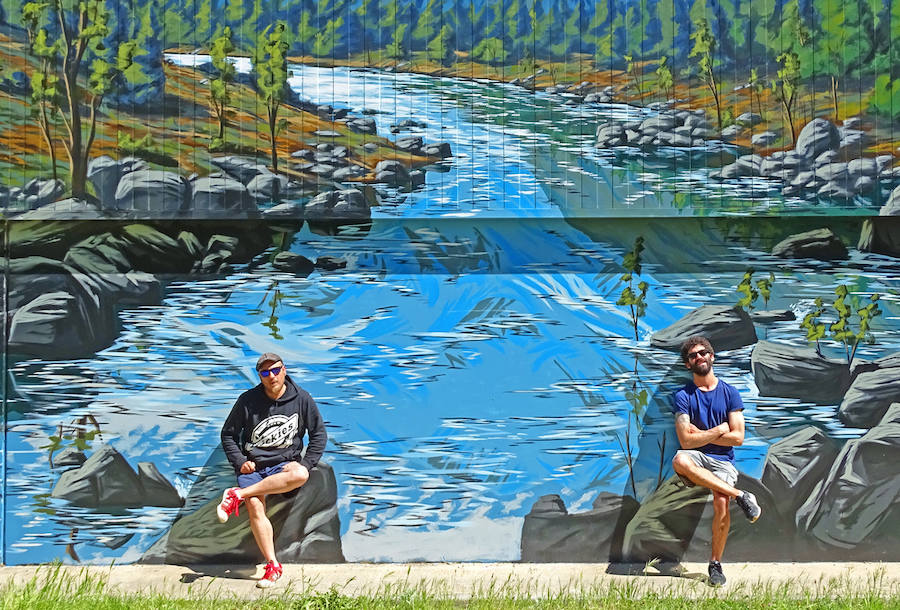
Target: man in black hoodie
<point>263,439</point>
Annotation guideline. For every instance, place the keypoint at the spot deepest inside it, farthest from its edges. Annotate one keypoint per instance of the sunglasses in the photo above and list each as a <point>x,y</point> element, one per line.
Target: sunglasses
<point>703,353</point>
<point>275,370</point>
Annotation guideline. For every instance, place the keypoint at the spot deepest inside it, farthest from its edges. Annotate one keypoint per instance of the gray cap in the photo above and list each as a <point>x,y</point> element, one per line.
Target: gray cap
<point>267,357</point>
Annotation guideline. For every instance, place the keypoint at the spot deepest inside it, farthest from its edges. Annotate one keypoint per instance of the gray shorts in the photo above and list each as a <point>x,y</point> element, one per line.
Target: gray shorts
<point>723,469</point>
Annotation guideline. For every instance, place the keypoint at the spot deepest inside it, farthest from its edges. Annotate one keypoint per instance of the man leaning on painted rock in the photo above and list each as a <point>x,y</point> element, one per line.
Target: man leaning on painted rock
<point>709,422</point>
<point>263,439</point>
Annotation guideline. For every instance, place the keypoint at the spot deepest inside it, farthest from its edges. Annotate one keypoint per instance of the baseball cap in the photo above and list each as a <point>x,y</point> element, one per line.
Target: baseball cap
<point>267,357</point>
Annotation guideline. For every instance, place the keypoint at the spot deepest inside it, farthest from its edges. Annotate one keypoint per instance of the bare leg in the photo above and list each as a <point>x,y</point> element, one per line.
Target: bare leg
<point>721,523</point>
<point>261,526</point>
<point>686,467</point>
<point>290,478</point>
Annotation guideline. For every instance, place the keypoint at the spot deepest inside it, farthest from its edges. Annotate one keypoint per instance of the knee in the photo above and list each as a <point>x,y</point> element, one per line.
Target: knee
<point>720,505</point>
<point>255,507</point>
<point>299,474</point>
<point>681,463</point>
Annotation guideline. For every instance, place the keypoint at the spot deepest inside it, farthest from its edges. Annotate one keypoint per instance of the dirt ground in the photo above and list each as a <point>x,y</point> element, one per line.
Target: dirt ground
<point>463,580</point>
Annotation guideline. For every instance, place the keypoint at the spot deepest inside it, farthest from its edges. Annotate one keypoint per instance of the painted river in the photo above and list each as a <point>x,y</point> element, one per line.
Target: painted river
<point>469,359</point>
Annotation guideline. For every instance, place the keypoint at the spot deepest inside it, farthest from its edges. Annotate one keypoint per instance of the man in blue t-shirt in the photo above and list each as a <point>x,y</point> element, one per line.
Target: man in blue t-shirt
<point>709,422</point>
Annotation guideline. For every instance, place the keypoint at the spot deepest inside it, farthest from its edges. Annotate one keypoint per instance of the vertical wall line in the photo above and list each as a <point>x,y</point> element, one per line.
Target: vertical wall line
<point>3,388</point>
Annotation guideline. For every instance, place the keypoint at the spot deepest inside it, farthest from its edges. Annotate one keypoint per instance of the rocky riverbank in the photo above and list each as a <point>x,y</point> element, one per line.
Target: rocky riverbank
<point>819,497</point>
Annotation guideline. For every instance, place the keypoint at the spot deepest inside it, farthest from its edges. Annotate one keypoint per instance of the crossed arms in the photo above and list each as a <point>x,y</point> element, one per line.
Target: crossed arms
<point>726,434</point>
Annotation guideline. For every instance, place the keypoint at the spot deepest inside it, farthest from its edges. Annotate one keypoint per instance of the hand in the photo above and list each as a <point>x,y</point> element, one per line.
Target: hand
<point>248,467</point>
<point>723,428</point>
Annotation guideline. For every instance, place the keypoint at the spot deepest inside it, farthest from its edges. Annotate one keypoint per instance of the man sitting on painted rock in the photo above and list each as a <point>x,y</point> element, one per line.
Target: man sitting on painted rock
<point>263,439</point>
<point>709,422</point>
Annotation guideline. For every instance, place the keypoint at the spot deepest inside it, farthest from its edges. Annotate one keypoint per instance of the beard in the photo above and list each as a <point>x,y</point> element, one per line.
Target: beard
<point>701,366</point>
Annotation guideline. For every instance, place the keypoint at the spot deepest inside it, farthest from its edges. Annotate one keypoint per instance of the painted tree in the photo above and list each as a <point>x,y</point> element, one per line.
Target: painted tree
<point>219,51</point>
<point>32,16</point>
<point>46,95</point>
<point>270,65</point>
<point>844,42</point>
<point>440,48</point>
<point>664,80</point>
<point>814,327</point>
<point>704,49</point>
<point>845,305</point>
<point>81,29</point>
<point>787,86</point>
<point>635,300</point>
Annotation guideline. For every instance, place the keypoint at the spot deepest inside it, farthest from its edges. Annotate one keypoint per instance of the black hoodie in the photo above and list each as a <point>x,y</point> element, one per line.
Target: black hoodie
<point>269,431</point>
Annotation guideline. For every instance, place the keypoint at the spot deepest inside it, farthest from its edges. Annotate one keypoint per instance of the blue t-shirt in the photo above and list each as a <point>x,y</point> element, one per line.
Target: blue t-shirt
<point>708,410</point>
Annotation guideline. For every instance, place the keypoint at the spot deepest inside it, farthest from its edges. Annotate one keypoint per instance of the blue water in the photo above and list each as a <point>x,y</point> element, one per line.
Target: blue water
<point>470,359</point>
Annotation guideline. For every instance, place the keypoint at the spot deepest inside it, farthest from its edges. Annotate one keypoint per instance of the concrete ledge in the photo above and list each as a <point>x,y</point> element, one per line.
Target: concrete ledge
<point>465,580</point>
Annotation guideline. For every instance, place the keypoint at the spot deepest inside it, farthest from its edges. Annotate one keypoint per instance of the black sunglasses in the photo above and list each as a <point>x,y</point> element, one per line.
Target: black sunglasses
<point>275,370</point>
<point>703,353</point>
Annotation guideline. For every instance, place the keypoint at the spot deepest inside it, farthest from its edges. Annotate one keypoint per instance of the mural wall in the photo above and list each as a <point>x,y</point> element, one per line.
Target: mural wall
<point>477,233</point>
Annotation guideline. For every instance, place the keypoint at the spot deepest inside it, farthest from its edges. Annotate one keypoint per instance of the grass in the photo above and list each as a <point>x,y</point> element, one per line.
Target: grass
<point>53,588</point>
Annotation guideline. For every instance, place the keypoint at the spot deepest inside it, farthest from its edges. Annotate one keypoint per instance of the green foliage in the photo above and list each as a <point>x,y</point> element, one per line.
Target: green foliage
<point>787,86</point>
<point>847,309</point>
<point>704,49</point>
<point>270,64</point>
<point>219,51</point>
<point>749,293</point>
<point>815,330</point>
<point>491,51</point>
<point>632,70</point>
<point>634,299</point>
<point>845,305</point>
<point>764,286</point>
<point>885,99</point>
<point>664,80</point>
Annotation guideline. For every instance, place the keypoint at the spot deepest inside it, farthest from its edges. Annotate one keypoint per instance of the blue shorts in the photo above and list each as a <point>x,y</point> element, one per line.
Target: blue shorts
<point>246,480</point>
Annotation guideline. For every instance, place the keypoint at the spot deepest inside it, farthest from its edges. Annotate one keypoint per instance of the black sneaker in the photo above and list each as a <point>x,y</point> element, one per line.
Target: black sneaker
<point>748,504</point>
<point>716,576</point>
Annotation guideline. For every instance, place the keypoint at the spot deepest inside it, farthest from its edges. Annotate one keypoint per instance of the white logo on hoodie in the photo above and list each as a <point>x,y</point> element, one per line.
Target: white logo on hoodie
<point>274,432</point>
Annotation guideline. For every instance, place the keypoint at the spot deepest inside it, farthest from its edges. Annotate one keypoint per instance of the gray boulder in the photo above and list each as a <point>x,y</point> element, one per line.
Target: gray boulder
<point>551,534</point>
<point>892,207</point>
<point>731,132</point>
<point>362,125</point>
<point>65,209</point>
<point>795,465</point>
<point>411,144</point>
<point>106,480</point>
<point>158,490</point>
<point>675,523</point>
<point>220,198</point>
<point>441,149</point>
<point>157,194</point>
<point>726,328</point>
<point>241,169</point>
<point>816,137</point>
<point>70,456</point>
<point>306,525</point>
<point>748,119</point>
<point>821,244</point>
<point>768,317</point>
<point>839,192</point>
<point>267,186</point>
<point>764,139</point>
<point>797,372</point>
<point>392,172</point>
<point>54,325</point>
<point>349,204</point>
<point>288,209</point>
<point>293,263</point>
<point>856,507</point>
<point>105,172</point>
<point>870,395</point>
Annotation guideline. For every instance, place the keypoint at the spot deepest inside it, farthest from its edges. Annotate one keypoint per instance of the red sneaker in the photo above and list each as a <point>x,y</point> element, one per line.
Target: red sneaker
<point>273,573</point>
<point>229,504</point>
